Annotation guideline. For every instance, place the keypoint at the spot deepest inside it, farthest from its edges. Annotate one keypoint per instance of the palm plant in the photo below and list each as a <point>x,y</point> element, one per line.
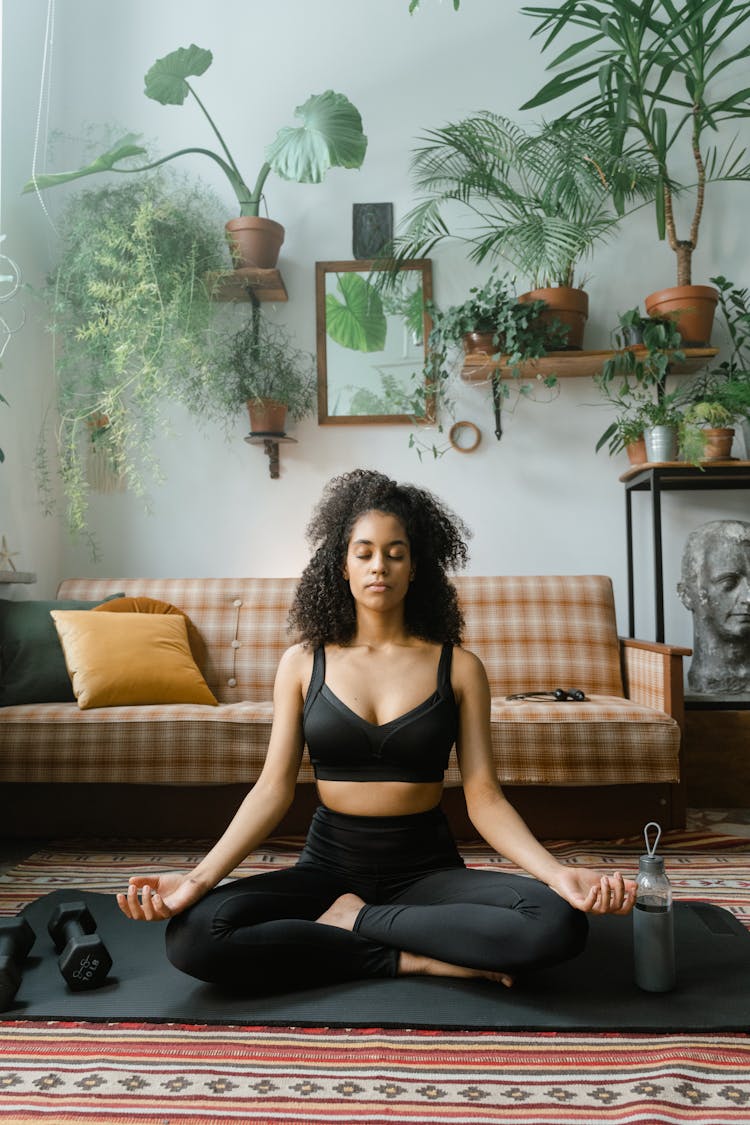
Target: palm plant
<point>659,70</point>
<point>540,199</point>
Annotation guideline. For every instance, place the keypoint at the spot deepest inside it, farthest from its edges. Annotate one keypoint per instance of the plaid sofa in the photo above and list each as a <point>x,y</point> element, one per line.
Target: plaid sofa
<point>532,633</point>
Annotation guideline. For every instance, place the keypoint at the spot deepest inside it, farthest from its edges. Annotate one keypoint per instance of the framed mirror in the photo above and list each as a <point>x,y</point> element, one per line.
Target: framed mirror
<point>371,342</point>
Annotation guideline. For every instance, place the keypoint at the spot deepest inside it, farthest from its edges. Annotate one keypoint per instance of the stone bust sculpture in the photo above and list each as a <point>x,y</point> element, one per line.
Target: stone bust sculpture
<point>715,586</point>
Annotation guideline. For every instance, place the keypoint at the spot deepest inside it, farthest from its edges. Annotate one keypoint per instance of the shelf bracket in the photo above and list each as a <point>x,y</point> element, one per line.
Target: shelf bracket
<point>497,401</point>
<point>270,443</point>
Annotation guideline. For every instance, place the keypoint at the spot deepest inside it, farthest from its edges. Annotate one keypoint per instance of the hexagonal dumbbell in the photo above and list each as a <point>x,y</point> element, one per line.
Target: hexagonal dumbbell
<point>16,939</point>
<point>84,960</point>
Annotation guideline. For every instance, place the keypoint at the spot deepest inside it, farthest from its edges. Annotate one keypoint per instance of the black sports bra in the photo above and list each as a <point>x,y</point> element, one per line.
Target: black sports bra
<point>345,747</point>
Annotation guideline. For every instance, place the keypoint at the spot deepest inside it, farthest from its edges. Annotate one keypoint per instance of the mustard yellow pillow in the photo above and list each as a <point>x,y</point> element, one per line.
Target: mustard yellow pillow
<point>154,605</point>
<point>118,659</point>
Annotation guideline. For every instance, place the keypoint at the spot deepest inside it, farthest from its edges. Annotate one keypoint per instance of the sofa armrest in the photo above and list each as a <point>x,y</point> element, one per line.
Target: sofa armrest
<point>652,675</point>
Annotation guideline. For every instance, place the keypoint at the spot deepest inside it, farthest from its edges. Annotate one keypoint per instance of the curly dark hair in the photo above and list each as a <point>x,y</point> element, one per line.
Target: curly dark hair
<point>323,610</point>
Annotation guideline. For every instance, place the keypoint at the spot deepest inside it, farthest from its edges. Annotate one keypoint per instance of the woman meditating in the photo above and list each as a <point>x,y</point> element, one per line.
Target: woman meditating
<point>380,689</point>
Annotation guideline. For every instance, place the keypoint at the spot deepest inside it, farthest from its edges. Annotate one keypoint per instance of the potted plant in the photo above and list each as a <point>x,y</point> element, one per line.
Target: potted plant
<point>661,70</point>
<point>662,421</point>
<point>718,398</point>
<point>714,422</point>
<point>539,199</point>
<point>625,432</point>
<point>634,328</point>
<point>258,366</point>
<point>641,372</point>
<point>645,364</point>
<point>495,323</point>
<point>732,375</point>
<point>130,316</point>
<point>330,135</point>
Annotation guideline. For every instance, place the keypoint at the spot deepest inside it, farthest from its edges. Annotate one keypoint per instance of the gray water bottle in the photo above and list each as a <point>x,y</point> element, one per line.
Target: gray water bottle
<point>653,922</point>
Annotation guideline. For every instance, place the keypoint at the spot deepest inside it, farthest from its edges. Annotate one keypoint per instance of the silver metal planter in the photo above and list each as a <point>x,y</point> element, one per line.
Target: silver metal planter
<point>745,427</point>
<point>661,443</point>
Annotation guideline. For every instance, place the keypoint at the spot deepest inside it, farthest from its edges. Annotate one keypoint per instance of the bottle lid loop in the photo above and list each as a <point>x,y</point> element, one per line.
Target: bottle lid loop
<point>651,849</point>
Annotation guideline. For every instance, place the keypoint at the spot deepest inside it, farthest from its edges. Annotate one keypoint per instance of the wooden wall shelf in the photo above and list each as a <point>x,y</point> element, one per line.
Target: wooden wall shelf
<point>244,284</point>
<point>17,577</point>
<point>571,365</point>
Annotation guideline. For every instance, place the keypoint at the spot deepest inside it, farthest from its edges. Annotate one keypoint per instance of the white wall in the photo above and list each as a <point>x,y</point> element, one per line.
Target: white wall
<point>539,501</point>
<point>25,376</point>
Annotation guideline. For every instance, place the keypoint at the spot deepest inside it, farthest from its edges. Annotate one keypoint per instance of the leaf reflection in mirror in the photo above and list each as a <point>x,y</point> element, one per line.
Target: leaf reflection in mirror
<point>371,342</point>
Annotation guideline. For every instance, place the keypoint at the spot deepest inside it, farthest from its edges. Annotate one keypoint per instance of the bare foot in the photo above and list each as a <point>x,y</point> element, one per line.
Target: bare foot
<point>412,964</point>
<point>342,912</point>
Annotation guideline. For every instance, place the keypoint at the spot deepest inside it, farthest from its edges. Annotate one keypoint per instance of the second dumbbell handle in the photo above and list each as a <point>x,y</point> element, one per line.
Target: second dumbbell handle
<point>69,930</point>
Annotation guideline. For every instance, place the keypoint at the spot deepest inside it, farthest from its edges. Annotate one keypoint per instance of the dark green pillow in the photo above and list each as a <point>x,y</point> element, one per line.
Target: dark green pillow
<point>32,665</point>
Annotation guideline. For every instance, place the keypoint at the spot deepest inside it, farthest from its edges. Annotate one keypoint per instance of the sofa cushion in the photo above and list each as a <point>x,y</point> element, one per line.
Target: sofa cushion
<point>575,744</point>
<point>156,605</point>
<point>540,632</point>
<point>243,622</point>
<point>129,658</point>
<point>606,740</point>
<point>187,744</point>
<point>32,665</point>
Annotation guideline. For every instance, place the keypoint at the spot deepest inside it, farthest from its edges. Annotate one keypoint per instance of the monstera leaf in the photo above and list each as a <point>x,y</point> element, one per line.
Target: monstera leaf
<point>358,321</point>
<point>330,136</point>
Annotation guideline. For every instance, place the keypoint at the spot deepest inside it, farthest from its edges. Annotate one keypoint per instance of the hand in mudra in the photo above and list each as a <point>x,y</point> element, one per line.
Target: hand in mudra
<point>595,893</point>
<point>152,898</point>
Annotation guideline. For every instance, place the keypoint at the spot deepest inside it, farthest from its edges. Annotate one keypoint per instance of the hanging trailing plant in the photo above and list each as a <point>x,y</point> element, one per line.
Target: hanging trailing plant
<point>130,313</point>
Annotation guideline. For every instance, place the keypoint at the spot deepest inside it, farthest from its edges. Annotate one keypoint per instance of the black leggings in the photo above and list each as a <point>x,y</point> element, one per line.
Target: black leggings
<point>259,934</point>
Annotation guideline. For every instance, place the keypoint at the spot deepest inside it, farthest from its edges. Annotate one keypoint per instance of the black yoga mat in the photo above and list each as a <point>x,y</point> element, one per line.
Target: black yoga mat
<point>593,992</point>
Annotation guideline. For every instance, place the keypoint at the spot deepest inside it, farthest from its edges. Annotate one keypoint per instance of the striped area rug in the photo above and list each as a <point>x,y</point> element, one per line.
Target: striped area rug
<point>167,1074</point>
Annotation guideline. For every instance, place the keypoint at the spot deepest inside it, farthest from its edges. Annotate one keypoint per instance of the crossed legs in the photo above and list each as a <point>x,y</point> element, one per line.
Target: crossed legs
<point>306,927</point>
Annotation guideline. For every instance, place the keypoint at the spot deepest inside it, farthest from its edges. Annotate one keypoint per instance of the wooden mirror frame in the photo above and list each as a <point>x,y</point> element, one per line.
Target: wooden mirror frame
<point>322,269</point>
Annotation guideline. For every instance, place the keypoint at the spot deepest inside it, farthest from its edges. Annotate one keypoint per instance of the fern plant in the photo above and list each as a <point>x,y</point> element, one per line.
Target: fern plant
<point>253,361</point>
<point>130,313</point>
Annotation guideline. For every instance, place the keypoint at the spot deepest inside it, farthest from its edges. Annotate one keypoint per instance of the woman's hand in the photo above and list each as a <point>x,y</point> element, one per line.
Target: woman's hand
<point>594,893</point>
<point>160,897</point>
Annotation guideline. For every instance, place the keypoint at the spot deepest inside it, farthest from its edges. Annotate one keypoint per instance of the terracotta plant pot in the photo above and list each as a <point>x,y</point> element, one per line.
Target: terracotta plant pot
<point>569,306</point>
<point>636,451</point>
<point>254,242</point>
<point>480,343</point>
<point>718,444</point>
<point>691,309</point>
<point>266,416</point>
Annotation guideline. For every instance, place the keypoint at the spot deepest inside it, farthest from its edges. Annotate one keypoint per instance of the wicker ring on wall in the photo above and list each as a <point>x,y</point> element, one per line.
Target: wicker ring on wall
<point>457,428</point>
